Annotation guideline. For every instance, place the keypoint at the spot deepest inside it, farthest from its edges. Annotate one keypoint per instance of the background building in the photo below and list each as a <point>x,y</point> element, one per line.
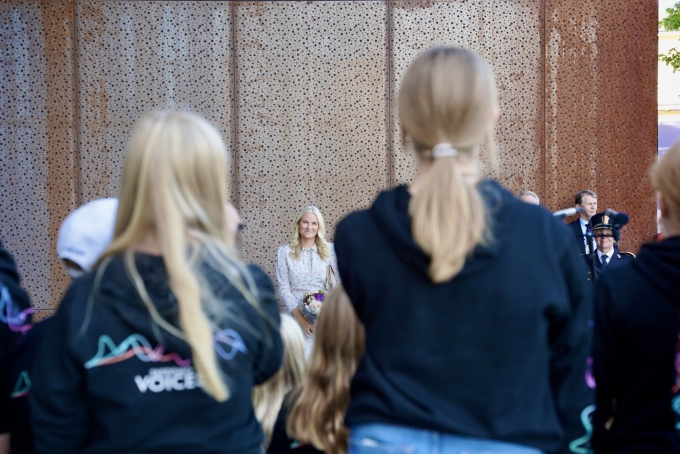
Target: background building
<point>669,86</point>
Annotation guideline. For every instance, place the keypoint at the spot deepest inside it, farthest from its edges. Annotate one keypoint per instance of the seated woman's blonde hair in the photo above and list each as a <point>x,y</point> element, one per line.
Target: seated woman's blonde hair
<point>318,413</point>
<point>321,244</point>
<point>268,397</point>
<point>174,188</point>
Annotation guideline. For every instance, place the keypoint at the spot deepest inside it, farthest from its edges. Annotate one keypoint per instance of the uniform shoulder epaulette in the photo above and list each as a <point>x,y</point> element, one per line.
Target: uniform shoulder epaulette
<point>629,254</point>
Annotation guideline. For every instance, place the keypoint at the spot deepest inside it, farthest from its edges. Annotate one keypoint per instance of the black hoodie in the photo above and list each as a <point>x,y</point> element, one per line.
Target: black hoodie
<point>499,352</point>
<point>637,353</point>
<point>15,307</point>
<point>108,380</point>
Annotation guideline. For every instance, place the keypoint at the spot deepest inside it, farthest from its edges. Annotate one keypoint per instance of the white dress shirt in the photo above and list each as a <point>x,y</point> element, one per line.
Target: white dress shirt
<point>609,255</point>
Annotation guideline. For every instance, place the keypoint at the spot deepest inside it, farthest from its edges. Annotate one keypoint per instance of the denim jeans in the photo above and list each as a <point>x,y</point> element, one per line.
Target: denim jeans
<point>385,438</point>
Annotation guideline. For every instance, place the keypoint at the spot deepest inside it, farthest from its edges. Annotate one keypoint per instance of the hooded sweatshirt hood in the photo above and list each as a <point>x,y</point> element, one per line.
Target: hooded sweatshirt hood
<point>118,291</point>
<point>660,264</point>
<point>390,212</point>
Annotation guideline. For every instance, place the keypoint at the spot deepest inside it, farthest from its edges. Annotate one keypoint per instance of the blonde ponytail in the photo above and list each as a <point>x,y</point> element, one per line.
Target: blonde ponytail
<point>448,95</point>
<point>449,219</point>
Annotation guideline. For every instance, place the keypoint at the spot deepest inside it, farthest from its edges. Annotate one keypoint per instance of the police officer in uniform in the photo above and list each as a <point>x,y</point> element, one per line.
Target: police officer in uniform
<point>607,252</point>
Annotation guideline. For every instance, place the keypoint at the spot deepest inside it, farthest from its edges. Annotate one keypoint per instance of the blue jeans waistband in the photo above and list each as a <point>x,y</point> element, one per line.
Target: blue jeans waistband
<point>386,438</point>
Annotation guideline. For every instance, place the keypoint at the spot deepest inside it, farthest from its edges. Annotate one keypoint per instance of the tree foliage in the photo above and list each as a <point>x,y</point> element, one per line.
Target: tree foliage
<point>671,23</point>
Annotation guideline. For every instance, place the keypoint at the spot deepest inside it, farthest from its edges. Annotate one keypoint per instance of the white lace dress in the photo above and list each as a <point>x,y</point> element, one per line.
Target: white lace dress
<point>296,277</point>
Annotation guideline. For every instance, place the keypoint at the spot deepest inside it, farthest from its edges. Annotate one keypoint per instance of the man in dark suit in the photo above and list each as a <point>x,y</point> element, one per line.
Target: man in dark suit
<point>607,254</point>
<point>587,201</point>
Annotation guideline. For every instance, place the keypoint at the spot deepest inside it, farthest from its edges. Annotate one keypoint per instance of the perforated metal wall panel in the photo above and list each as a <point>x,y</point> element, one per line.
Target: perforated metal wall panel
<point>37,140</point>
<point>507,35</point>
<point>304,94</point>
<point>600,86</point>
<point>138,57</point>
<point>311,101</point>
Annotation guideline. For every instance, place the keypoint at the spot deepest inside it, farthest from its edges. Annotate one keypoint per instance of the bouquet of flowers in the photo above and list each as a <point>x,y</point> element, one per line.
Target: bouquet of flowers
<point>311,304</point>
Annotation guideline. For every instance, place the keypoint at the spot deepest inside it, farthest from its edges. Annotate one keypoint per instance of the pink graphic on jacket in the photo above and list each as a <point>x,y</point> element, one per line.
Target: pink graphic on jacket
<point>676,363</point>
<point>11,316</point>
<point>590,378</point>
<point>134,345</point>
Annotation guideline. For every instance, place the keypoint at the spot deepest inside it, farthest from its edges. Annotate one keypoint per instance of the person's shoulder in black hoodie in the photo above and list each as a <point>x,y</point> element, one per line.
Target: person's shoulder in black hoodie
<point>15,387</point>
<point>108,379</point>
<point>498,352</point>
<point>15,306</point>
<point>637,353</point>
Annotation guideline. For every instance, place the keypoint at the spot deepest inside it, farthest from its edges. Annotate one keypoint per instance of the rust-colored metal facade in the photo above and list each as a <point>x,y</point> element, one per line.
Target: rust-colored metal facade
<point>304,93</point>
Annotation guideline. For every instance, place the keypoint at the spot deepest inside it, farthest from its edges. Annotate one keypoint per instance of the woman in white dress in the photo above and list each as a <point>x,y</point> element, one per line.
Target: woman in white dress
<point>302,266</point>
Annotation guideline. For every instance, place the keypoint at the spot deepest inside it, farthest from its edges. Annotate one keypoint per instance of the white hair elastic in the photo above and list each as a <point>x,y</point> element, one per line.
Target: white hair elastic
<point>443,150</point>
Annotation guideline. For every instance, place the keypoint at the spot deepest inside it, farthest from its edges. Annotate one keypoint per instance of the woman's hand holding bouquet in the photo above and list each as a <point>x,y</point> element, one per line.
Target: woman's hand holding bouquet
<point>311,304</point>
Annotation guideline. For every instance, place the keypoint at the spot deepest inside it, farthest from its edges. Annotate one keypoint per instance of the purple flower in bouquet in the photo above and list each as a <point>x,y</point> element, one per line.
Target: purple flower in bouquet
<point>311,304</point>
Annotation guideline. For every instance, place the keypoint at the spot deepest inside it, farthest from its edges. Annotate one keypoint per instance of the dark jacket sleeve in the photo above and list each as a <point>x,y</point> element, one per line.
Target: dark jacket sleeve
<point>571,340</point>
<point>577,234</point>
<point>5,391</point>
<point>343,251</point>
<point>605,363</point>
<point>59,411</point>
<point>15,307</point>
<point>268,359</point>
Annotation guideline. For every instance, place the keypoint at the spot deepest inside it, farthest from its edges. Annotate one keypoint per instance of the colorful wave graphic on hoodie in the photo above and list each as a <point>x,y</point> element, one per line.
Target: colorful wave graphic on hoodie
<point>11,316</point>
<point>231,339</point>
<point>134,345</point>
<point>228,343</point>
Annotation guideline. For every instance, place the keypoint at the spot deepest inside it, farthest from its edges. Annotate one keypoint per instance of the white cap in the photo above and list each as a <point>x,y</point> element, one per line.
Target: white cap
<point>87,232</point>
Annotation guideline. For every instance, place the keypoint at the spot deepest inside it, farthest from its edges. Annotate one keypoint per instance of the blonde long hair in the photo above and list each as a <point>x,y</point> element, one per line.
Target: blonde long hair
<point>448,95</point>
<point>268,397</point>
<point>317,416</point>
<point>666,180</point>
<point>321,244</point>
<point>174,186</point>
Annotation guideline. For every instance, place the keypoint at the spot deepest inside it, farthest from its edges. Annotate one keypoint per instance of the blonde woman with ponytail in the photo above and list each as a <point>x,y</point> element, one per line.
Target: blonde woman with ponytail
<point>303,266</point>
<point>158,349</point>
<point>475,306</point>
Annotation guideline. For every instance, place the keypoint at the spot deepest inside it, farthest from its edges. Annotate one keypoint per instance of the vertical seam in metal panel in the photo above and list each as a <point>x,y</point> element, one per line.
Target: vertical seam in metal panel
<point>234,110</point>
<point>76,128</point>
<point>388,49</point>
<point>545,99</point>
